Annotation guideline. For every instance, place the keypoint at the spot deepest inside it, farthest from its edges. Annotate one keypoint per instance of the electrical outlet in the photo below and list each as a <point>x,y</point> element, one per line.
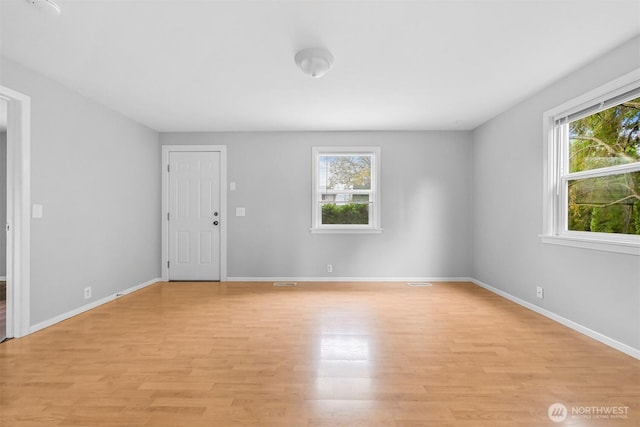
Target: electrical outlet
<point>540,292</point>
<point>87,292</point>
<point>329,268</point>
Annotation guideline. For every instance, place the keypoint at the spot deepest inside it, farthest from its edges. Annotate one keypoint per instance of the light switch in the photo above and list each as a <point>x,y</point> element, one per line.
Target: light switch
<point>36,211</point>
<point>232,186</point>
<point>239,211</point>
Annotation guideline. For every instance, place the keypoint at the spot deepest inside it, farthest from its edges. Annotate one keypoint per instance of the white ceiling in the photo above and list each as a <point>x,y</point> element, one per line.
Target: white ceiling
<point>184,65</point>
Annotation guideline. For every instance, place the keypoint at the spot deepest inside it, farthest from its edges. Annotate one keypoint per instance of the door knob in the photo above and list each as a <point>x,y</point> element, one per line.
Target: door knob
<point>215,222</point>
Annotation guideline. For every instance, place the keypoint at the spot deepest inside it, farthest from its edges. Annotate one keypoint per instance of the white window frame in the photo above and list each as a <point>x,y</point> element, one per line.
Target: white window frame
<point>374,212</point>
<point>556,175</point>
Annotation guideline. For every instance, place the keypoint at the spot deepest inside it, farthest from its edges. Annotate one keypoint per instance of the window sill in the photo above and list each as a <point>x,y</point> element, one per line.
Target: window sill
<point>629,248</point>
<point>345,230</point>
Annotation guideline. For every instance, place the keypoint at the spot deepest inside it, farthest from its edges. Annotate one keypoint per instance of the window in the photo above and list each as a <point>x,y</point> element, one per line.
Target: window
<point>593,163</point>
<point>346,195</point>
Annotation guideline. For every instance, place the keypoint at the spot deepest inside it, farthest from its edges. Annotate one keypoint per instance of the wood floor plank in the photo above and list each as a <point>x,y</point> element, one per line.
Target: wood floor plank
<point>319,354</point>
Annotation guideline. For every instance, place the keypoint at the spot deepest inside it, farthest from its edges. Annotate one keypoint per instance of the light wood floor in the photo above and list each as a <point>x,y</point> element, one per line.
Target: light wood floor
<point>333,354</point>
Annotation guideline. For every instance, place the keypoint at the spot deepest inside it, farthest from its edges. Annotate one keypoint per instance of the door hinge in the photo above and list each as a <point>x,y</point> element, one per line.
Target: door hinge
<point>167,264</point>
<point>7,227</point>
<point>168,168</point>
<point>167,216</point>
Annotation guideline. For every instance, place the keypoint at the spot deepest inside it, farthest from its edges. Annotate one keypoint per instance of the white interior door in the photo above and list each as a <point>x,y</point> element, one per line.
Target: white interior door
<point>194,215</point>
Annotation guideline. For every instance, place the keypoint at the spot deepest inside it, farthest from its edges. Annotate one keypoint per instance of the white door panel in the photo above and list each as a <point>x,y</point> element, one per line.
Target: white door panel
<point>194,215</point>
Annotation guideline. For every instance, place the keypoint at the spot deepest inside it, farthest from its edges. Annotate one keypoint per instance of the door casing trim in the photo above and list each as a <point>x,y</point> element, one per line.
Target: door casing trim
<point>18,212</point>
<point>222,149</point>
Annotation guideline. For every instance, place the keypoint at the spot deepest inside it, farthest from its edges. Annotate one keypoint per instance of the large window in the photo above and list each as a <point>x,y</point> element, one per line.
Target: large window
<point>346,196</point>
<point>594,169</point>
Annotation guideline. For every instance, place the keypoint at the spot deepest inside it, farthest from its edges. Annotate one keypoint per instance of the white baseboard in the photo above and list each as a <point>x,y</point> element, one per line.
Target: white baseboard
<point>633,352</point>
<point>87,307</point>
<point>3,278</point>
<point>349,279</point>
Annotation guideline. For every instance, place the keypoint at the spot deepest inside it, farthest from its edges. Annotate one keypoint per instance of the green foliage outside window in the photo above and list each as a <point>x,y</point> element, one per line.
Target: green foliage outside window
<point>350,213</point>
<point>607,204</point>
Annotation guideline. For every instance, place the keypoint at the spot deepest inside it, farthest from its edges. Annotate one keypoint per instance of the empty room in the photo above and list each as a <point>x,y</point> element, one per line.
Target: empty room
<point>320,213</point>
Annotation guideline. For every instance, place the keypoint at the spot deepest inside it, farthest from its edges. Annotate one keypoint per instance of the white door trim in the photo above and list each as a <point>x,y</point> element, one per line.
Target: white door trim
<point>222,149</point>
<point>18,211</point>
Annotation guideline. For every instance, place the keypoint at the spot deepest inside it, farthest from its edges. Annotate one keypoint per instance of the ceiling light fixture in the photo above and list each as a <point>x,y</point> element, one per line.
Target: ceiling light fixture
<point>314,61</point>
<point>49,7</point>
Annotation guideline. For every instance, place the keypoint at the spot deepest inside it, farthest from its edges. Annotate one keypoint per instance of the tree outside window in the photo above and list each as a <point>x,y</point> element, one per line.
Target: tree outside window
<point>609,203</point>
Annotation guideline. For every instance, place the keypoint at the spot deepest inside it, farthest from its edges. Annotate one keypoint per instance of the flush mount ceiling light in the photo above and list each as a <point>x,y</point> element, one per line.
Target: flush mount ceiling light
<point>49,7</point>
<point>314,61</point>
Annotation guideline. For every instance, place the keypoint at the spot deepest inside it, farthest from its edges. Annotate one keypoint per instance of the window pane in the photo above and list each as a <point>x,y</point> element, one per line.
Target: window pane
<point>607,138</point>
<point>345,209</point>
<point>345,172</point>
<point>608,204</point>
<point>345,198</point>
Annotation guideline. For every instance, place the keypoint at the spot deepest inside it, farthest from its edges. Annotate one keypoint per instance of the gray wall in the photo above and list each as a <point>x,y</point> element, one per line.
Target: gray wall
<point>425,205</point>
<point>600,290</point>
<point>3,201</point>
<point>97,174</point>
